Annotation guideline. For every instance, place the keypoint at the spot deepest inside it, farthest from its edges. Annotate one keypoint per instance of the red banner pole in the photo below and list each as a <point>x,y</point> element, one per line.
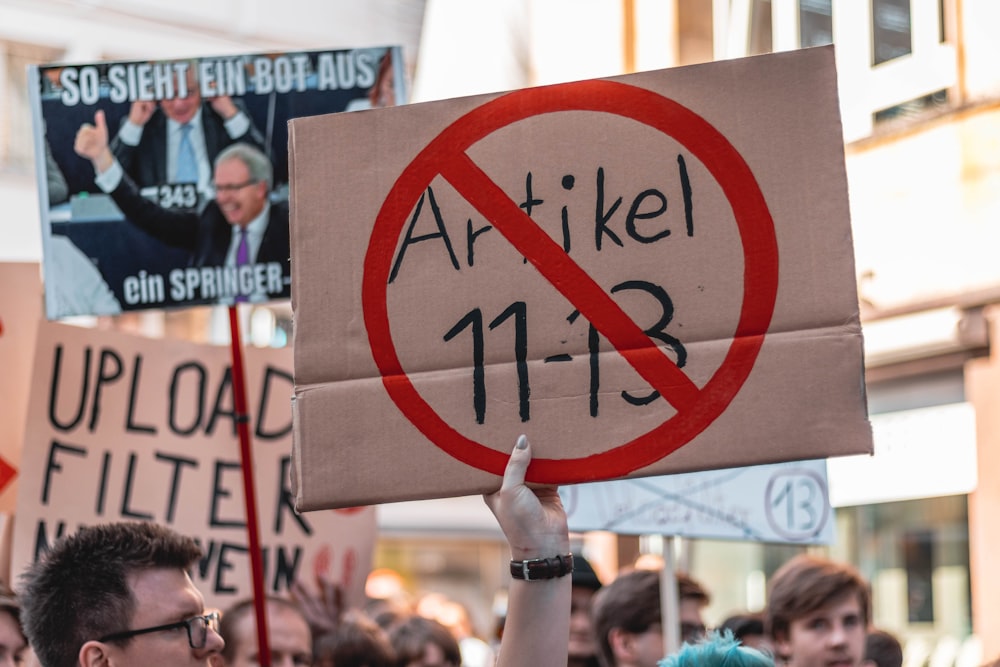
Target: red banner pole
<point>249,494</point>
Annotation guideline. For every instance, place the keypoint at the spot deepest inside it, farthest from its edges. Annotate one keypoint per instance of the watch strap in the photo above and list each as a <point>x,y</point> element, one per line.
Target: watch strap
<point>537,569</point>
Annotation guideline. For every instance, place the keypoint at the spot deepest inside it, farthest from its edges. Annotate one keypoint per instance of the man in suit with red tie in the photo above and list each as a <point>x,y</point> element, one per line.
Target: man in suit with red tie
<point>238,244</point>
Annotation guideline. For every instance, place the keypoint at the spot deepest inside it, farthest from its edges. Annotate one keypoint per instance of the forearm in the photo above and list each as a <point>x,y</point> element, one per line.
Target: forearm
<point>175,228</point>
<point>537,626</point>
<point>536,631</point>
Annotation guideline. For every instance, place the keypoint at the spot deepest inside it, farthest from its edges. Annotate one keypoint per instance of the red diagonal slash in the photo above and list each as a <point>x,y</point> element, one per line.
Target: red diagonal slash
<point>7,473</point>
<point>572,281</point>
<point>446,156</point>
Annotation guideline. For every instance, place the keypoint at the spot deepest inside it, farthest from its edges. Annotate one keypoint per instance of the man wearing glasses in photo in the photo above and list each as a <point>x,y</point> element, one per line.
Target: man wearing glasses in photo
<point>118,594</point>
<point>238,244</point>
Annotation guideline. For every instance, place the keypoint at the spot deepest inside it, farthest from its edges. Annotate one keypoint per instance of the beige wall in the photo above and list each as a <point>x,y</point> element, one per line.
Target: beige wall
<point>924,209</point>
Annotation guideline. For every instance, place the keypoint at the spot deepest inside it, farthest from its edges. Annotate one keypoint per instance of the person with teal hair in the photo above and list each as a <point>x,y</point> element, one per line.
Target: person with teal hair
<point>717,650</point>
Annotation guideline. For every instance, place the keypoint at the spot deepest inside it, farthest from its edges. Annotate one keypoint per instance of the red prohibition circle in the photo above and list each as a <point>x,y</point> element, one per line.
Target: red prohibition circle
<point>696,408</point>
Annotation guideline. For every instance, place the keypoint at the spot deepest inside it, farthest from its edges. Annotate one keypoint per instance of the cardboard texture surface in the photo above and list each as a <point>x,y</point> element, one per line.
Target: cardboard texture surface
<point>124,428</point>
<point>20,312</point>
<point>648,274</point>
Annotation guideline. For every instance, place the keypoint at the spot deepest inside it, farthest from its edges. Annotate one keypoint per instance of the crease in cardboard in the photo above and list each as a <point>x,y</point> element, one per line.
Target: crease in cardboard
<point>849,328</point>
<point>801,396</point>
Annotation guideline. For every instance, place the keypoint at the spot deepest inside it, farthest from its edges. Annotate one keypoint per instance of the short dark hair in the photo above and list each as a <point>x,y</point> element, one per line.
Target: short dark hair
<point>79,590</point>
<point>689,589</point>
<point>630,602</point>
<point>232,616</point>
<point>584,575</point>
<point>410,636</point>
<point>883,649</point>
<point>741,625</point>
<point>358,641</point>
<point>807,583</point>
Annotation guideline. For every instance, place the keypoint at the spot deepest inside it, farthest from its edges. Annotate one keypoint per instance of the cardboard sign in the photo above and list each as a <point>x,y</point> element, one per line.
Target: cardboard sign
<point>648,274</point>
<point>20,312</point>
<point>163,236</point>
<point>781,503</point>
<point>129,428</point>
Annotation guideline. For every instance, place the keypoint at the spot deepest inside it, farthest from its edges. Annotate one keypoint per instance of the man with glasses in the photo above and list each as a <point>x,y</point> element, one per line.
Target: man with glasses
<point>238,244</point>
<point>628,618</point>
<point>118,594</point>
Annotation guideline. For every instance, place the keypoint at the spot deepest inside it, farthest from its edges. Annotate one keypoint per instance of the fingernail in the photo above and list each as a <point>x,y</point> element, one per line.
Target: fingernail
<point>522,442</point>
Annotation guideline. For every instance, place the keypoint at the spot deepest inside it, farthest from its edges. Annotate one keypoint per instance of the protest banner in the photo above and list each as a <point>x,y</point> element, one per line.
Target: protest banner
<point>128,428</point>
<point>117,250</point>
<point>647,274</point>
<point>20,312</point>
<point>778,503</point>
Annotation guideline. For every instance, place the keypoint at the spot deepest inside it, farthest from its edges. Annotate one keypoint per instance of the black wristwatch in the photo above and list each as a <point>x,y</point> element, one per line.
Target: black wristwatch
<point>542,568</point>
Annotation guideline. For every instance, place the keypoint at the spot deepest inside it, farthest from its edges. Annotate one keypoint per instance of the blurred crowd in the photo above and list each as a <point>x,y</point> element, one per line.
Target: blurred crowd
<point>818,616</point>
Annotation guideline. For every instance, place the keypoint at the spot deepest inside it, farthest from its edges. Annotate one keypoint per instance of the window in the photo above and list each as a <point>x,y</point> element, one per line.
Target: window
<point>815,22</point>
<point>16,147</point>
<point>894,60</point>
<point>891,30</point>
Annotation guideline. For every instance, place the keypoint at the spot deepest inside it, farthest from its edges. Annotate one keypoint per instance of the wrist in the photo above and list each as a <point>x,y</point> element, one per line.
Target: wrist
<point>539,546</point>
<point>227,111</point>
<point>103,161</point>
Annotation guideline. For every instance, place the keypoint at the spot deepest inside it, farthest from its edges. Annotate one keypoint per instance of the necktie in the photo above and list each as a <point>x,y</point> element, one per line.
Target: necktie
<point>187,164</point>
<point>242,257</point>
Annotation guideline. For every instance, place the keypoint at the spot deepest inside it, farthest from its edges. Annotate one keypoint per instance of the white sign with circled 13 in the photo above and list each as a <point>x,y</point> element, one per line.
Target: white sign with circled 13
<point>784,503</point>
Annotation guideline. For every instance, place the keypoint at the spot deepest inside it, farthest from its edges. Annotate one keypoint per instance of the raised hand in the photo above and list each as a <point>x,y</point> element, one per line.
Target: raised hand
<point>92,142</point>
<point>322,611</point>
<point>224,106</point>
<point>141,111</point>
<point>532,519</point>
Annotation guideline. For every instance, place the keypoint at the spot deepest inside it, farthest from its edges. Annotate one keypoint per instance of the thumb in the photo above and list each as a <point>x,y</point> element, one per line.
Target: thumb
<point>517,465</point>
<point>99,121</point>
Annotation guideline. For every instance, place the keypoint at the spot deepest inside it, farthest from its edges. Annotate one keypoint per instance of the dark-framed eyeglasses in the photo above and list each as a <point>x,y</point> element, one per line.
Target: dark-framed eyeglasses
<point>233,187</point>
<point>197,629</point>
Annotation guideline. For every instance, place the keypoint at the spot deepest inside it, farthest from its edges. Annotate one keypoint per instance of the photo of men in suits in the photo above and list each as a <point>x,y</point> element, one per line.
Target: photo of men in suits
<point>239,241</point>
<point>166,126</point>
<point>177,139</point>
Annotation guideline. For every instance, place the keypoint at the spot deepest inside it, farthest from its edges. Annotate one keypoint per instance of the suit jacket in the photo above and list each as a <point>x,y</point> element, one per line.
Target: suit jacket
<point>146,163</point>
<point>206,235</point>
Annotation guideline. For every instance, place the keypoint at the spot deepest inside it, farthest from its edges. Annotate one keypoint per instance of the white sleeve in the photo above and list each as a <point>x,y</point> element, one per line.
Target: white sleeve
<point>238,125</point>
<point>130,133</point>
<point>108,180</point>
